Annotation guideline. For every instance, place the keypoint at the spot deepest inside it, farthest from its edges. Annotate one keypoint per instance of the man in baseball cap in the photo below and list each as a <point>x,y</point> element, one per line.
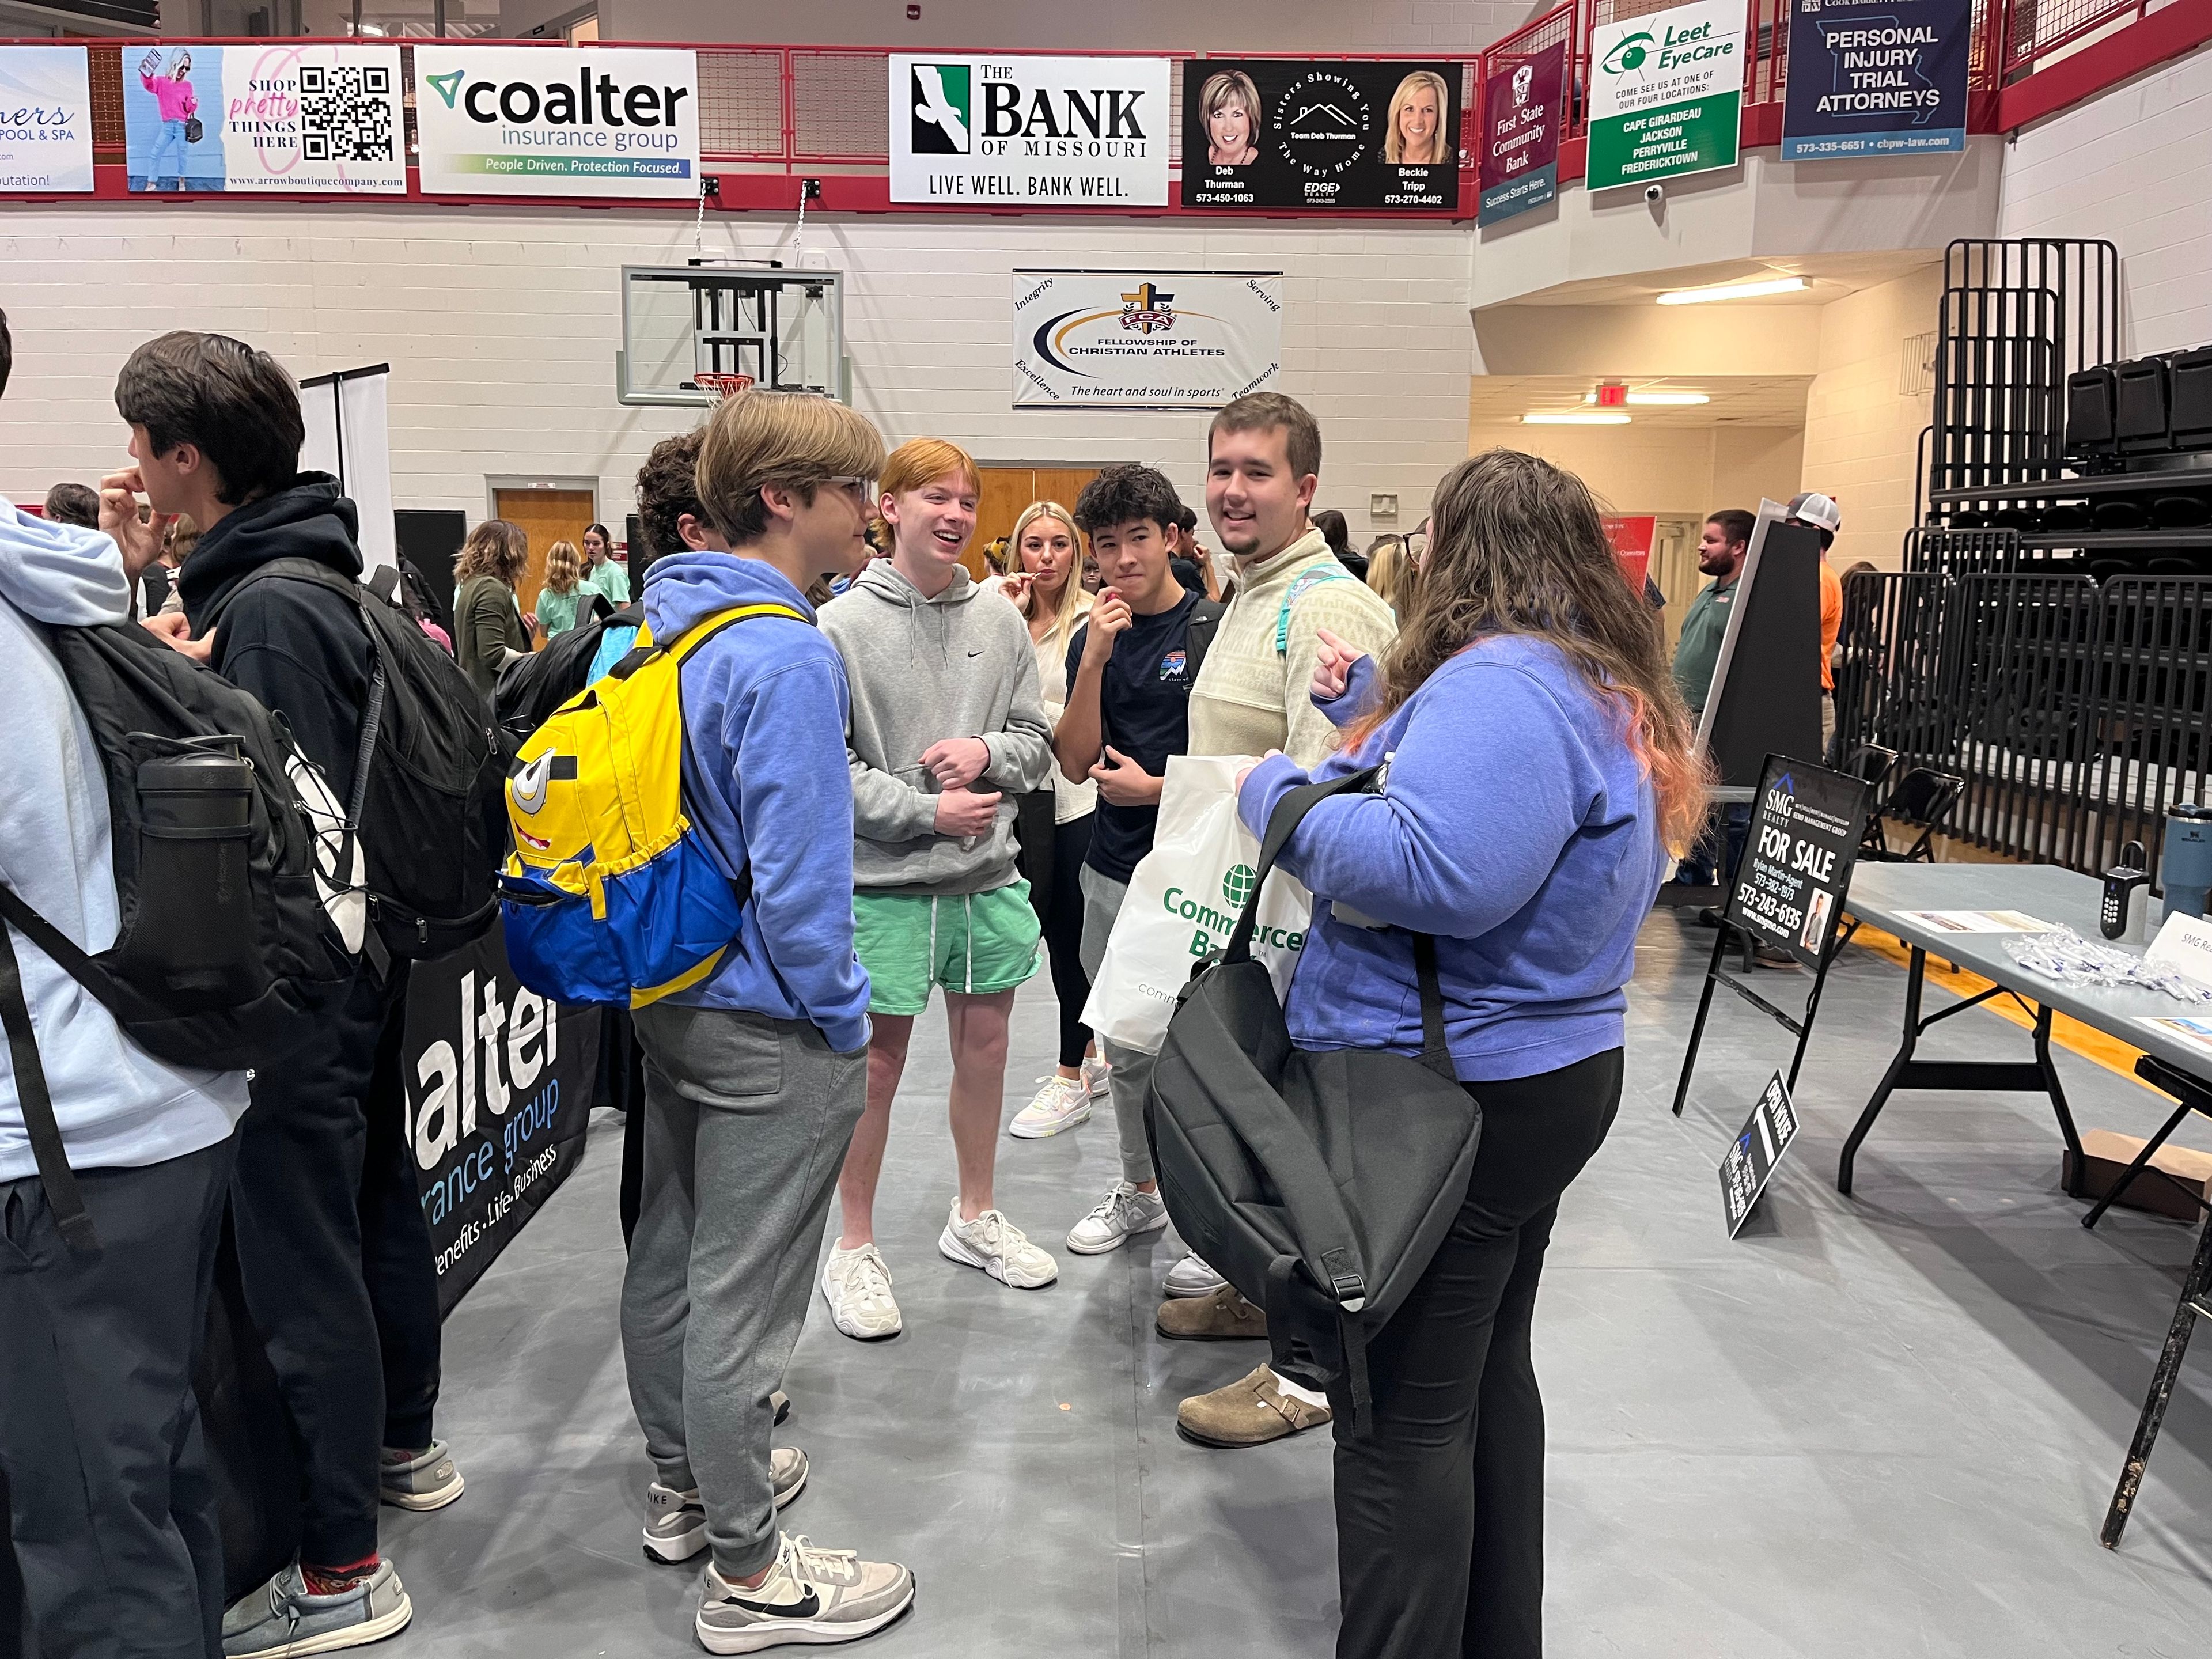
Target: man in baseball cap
<point>1811,508</point>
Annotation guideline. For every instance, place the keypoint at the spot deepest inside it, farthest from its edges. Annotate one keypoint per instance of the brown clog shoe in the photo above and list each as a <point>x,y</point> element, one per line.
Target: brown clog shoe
<point>1221,1315</point>
<point>1250,1412</point>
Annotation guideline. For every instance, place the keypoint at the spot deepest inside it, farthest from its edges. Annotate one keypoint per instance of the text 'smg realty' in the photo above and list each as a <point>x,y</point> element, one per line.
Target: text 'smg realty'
<point>1080,131</point>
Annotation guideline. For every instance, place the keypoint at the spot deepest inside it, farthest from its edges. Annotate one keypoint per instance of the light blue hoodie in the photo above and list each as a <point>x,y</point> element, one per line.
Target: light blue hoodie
<point>764,773</point>
<point>118,1107</point>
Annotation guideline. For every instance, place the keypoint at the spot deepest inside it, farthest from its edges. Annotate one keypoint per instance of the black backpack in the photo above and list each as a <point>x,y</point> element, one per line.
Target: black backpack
<point>532,687</point>
<point>428,795</point>
<point>1319,1185</point>
<point>226,952</point>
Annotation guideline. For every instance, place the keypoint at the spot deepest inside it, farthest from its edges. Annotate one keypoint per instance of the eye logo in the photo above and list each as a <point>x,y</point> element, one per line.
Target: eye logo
<point>1628,53</point>
<point>448,85</point>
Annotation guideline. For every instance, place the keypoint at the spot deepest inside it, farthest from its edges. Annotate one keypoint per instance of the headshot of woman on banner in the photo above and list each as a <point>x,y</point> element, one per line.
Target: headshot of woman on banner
<point>1231,105</point>
<point>1417,119</point>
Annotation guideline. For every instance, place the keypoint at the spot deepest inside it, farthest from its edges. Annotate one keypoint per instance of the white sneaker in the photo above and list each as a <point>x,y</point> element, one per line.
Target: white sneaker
<point>857,1285</point>
<point>811,1596</point>
<point>1192,1277</point>
<point>999,1248</point>
<point>1097,1074</point>
<point>676,1522</point>
<point>1122,1211</point>
<point>1064,1103</point>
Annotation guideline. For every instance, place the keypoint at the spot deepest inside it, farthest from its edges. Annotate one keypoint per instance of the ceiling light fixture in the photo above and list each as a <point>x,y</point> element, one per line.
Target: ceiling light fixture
<point>1574,419</point>
<point>1697,296</point>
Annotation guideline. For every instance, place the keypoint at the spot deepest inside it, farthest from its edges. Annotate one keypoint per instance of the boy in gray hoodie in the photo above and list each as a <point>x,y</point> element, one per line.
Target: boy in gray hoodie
<point>947,730</point>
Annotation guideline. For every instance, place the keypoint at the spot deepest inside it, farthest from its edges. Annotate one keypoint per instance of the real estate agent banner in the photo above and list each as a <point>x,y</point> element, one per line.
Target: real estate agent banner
<point>1876,77</point>
<point>1145,339</point>
<point>1666,94</point>
<point>45,118</point>
<point>1070,131</point>
<point>1520,108</point>
<point>1288,133</point>
<point>1806,822</point>
<point>542,121</point>
<point>498,1087</point>
<point>277,117</point>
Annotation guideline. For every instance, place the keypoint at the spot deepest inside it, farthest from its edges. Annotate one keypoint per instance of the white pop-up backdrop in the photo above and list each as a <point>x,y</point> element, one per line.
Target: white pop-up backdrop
<point>349,436</point>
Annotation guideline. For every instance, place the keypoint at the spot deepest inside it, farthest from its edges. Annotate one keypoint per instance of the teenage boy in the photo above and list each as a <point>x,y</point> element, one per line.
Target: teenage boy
<point>1292,601</point>
<point>756,1076</point>
<point>113,1506</point>
<point>1129,674</point>
<point>325,1189</point>
<point>947,731</point>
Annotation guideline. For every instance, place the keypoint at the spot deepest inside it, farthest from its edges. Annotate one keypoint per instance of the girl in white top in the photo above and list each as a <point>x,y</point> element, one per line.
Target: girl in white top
<point>1046,587</point>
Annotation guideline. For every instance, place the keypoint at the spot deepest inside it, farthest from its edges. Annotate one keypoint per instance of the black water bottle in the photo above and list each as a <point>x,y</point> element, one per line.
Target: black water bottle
<point>195,895</point>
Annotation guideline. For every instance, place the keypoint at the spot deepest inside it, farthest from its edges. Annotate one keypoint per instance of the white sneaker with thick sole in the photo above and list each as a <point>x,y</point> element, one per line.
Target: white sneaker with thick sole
<point>857,1285</point>
<point>1096,1074</point>
<point>1064,1103</point>
<point>999,1248</point>
<point>676,1522</point>
<point>1192,1277</point>
<point>1123,1212</point>
<point>811,1596</point>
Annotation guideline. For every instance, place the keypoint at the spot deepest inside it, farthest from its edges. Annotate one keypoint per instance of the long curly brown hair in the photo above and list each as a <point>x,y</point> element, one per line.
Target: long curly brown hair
<point>1516,546</point>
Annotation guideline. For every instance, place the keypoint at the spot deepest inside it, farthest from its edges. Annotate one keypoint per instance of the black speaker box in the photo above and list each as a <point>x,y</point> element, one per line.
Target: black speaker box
<point>2089,411</point>
<point>2191,417</point>
<point>2141,403</point>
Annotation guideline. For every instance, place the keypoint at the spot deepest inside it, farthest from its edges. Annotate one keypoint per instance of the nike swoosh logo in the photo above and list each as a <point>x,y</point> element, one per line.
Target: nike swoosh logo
<point>805,1609</point>
<point>975,653</point>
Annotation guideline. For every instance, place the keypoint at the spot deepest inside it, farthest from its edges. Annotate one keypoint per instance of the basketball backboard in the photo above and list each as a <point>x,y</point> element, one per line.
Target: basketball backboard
<point>785,328</point>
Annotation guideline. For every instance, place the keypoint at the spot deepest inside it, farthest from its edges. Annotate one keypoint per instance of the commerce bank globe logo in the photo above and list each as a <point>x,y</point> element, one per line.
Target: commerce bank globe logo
<point>1236,886</point>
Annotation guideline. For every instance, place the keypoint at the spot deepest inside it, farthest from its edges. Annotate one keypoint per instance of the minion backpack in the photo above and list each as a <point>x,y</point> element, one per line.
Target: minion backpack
<point>612,894</point>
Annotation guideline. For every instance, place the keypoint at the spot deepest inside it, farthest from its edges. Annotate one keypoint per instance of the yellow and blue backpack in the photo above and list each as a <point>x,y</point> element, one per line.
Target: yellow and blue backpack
<point>612,894</point>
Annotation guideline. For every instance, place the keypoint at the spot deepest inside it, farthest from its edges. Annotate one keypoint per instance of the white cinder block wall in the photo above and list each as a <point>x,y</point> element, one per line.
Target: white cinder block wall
<point>501,326</point>
<point>2134,164</point>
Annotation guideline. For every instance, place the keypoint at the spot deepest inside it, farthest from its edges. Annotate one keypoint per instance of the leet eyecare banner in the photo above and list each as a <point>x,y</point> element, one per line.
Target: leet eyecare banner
<point>1876,77</point>
<point>325,119</point>
<point>1285,133</point>
<point>1038,131</point>
<point>499,1089</point>
<point>1666,94</point>
<point>45,118</point>
<point>554,121</point>
<point>1521,109</point>
<point>1145,339</point>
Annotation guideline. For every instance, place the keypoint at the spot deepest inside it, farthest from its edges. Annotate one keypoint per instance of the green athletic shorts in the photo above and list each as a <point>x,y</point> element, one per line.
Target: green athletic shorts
<point>979,943</point>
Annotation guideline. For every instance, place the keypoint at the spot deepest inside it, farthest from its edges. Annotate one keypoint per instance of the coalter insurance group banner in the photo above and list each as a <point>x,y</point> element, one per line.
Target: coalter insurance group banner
<point>242,120</point>
<point>1051,131</point>
<point>1145,339</point>
<point>1521,105</point>
<point>1261,132</point>
<point>1666,92</point>
<point>554,121</point>
<point>1876,77</point>
<point>499,1088</point>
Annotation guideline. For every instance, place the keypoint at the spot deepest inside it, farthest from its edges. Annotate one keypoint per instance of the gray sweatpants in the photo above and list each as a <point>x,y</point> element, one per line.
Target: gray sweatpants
<point>1133,1067</point>
<point>746,1123</point>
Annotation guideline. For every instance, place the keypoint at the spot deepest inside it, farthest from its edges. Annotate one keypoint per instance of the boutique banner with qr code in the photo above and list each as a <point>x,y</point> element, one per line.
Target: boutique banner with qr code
<point>1276,132</point>
<point>1876,77</point>
<point>45,118</point>
<point>274,119</point>
<point>1145,339</point>
<point>554,121</point>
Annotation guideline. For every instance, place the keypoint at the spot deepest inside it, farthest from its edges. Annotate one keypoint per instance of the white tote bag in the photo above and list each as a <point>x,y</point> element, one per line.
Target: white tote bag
<point>1183,902</point>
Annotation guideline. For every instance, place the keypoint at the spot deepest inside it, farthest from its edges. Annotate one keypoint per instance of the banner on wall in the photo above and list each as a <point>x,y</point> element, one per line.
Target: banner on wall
<point>45,118</point>
<point>1876,77</point>
<point>499,1088</point>
<point>1520,108</point>
<point>1666,94</point>
<point>325,119</point>
<point>1071,131</point>
<point>549,121</point>
<point>1145,339</point>
<point>1287,133</point>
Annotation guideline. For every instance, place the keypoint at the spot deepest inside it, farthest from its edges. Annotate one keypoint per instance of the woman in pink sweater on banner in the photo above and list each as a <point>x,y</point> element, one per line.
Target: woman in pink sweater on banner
<point>173,94</point>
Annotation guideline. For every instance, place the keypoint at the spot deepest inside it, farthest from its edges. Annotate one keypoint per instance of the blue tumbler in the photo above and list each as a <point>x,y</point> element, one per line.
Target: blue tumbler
<point>2186,866</point>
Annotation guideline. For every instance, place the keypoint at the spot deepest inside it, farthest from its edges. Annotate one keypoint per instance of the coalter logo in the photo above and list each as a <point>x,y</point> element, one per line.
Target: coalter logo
<point>1148,311</point>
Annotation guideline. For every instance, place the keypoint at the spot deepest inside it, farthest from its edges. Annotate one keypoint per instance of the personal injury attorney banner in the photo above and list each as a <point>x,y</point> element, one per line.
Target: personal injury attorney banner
<point>1876,77</point>
<point>1145,339</point>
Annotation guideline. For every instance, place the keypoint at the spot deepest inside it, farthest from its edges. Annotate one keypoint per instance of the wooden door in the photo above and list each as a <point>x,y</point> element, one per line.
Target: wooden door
<point>1007,490</point>
<point>546,516</point>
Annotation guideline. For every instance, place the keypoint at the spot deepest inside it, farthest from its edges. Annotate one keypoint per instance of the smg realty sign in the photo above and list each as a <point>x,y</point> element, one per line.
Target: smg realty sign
<point>1038,131</point>
<point>1666,94</point>
<point>545,121</point>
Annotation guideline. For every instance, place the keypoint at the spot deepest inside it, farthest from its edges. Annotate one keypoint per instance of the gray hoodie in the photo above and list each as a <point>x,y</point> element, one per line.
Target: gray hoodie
<point>923,670</point>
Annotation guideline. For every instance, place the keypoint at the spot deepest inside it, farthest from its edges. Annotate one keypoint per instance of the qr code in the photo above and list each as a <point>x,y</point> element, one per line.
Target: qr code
<point>345,113</point>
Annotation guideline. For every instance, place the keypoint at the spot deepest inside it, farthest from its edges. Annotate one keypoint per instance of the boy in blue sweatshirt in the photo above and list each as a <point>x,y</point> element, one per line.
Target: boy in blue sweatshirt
<point>755,1076</point>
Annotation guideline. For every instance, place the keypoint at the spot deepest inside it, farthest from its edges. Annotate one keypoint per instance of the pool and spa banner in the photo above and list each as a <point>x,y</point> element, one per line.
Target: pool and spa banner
<point>319,120</point>
<point>45,118</point>
<point>1145,339</point>
<point>1261,132</point>
<point>1029,132</point>
<point>1666,94</point>
<point>556,121</point>
<point>1876,77</point>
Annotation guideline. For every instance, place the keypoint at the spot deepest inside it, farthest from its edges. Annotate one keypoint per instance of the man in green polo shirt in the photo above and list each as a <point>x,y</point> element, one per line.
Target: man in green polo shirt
<point>1720,554</point>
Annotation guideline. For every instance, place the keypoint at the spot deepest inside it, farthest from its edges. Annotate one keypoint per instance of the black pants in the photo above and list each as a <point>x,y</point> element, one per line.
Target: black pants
<point>1063,935</point>
<point>397,1262</point>
<point>1440,1493</point>
<point>113,1504</point>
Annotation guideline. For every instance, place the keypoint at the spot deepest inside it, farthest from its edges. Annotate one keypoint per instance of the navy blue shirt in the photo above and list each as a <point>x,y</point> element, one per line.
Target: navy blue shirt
<point>1144,712</point>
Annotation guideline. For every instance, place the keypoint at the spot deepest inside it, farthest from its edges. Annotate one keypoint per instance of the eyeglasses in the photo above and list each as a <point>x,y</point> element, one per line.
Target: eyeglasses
<point>860,489</point>
<point>1417,546</point>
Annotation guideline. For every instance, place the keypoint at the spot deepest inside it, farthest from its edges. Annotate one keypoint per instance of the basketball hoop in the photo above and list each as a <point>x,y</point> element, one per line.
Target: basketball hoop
<point>723,385</point>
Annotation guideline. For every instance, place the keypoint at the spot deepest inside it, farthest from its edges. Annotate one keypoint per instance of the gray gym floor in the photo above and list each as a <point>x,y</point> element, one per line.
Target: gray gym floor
<point>1882,1425</point>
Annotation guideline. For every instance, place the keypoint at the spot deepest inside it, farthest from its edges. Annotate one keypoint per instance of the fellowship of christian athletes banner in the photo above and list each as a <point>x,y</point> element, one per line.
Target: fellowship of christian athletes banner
<point>279,117</point>
<point>45,118</point>
<point>1145,339</point>
<point>1285,133</point>
<point>1075,131</point>
<point>545,121</point>
<point>1876,77</point>
<point>499,1086</point>
<point>1520,108</point>
<point>1666,94</point>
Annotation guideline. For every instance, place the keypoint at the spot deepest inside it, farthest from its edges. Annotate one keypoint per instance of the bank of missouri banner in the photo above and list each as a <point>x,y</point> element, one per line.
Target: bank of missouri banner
<point>1666,92</point>
<point>278,117</point>
<point>545,121</point>
<point>1145,339</point>
<point>1876,77</point>
<point>498,1087</point>
<point>1057,132</point>
<point>1291,133</point>
<point>45,118</point>
<point>1521,105</point>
